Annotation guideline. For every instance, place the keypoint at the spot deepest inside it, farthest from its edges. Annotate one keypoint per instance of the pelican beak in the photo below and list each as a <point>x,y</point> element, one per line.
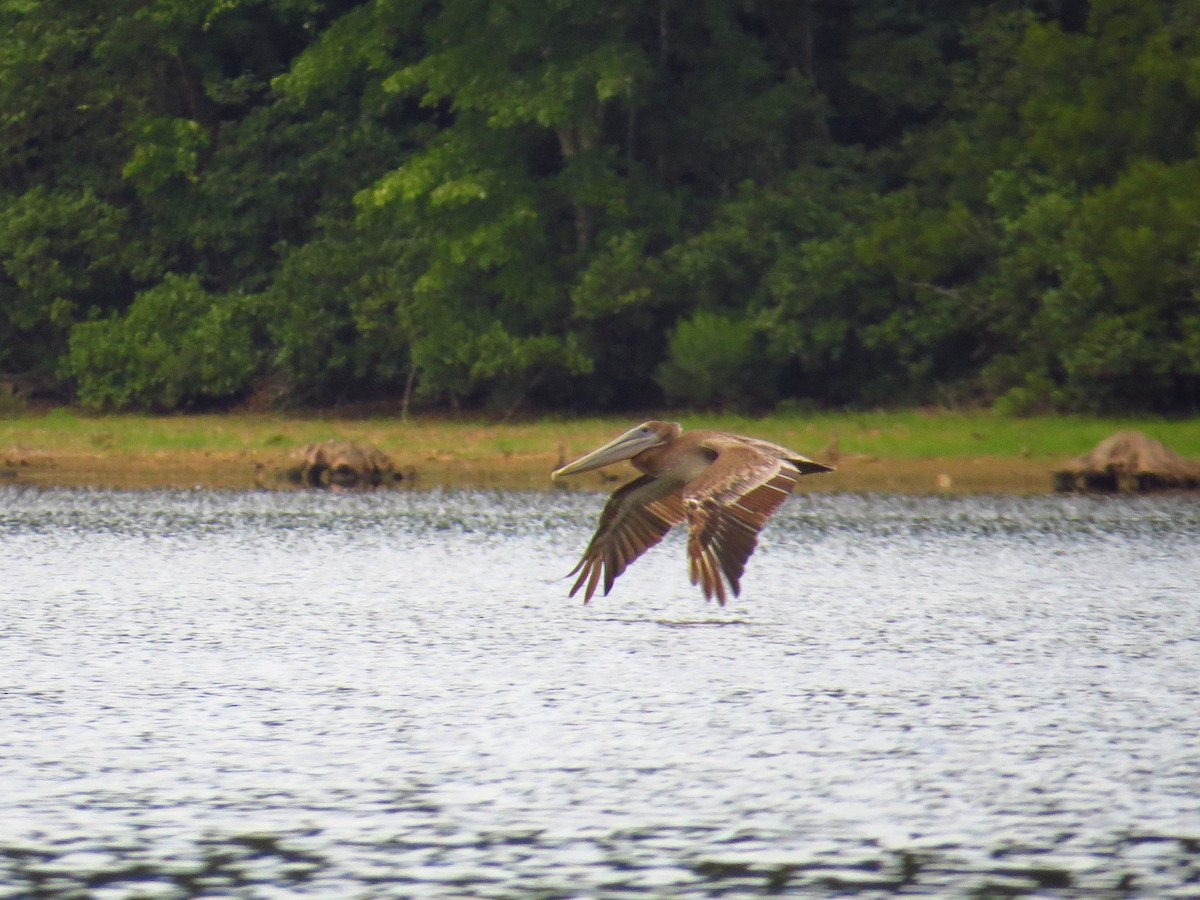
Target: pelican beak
<point>627,446</point>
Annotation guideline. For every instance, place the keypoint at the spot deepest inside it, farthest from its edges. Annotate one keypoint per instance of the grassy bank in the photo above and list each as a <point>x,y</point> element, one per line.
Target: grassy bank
<point>914,451</point>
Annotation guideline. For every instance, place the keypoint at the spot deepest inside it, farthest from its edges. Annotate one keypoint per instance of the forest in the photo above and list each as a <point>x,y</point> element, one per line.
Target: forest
<point>592,205</point>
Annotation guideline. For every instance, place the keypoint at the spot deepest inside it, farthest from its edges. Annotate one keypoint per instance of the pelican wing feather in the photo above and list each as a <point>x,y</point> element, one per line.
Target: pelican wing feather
<point>726,507</point>
<point>635,518</point>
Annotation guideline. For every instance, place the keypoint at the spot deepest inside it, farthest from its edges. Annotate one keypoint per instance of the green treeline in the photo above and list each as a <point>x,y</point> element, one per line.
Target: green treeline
<point>602,204</point>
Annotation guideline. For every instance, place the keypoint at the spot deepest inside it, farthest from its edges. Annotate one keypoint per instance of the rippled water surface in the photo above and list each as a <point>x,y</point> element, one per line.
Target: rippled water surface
<point>390,695</point>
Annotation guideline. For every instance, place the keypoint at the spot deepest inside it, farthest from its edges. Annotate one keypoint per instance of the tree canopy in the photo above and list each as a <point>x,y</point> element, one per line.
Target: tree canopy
<point>602,205</point>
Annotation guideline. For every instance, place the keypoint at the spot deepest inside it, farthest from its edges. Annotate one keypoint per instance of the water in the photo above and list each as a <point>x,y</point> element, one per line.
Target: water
<point>389,695</point>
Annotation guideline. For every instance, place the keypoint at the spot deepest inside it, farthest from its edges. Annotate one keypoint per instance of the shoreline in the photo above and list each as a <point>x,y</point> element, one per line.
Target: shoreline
<point>918,451</point>
<point>248,470</point>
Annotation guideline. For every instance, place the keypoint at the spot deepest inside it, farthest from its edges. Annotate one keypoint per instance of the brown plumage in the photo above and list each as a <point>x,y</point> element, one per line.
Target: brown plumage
<point>724,486</point>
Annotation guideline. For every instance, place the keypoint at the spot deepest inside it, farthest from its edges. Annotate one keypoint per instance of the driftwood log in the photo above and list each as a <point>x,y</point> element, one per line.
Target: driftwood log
<point>1128,462</point>
<point>343,464</point>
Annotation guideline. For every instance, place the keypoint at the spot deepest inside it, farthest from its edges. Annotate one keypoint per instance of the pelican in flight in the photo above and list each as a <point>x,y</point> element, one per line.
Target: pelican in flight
<point>724,486</point>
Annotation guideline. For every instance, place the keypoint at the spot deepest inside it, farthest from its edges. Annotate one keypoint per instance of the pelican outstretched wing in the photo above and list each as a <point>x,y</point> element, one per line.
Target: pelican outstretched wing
<point>727,506</point>
<point>635,518</point>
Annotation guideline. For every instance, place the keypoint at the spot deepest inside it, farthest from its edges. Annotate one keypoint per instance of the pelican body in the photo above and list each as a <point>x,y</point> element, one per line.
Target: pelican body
<point>724,486</point>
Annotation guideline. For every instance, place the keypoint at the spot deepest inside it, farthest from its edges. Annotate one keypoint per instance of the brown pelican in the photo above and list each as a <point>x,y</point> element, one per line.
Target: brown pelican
<point>724,485</point>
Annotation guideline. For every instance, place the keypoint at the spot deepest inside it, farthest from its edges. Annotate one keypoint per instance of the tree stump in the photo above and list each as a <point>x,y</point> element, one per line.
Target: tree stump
<point>1128,462</point>
<point>343,464</point>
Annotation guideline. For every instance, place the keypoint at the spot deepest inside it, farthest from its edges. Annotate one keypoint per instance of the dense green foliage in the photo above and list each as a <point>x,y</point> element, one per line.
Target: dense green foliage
<point>602,204</point>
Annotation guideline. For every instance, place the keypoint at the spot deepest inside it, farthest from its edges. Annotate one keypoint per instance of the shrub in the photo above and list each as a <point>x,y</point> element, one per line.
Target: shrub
<point>711,360</point>
<point>175,345</point>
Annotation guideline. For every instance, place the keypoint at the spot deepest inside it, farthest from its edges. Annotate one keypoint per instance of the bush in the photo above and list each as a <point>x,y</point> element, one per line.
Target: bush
<point>175,345</point>
<point>711,360</point>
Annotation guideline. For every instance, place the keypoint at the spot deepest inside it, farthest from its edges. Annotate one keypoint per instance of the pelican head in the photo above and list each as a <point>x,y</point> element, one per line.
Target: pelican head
<point>627,446</point>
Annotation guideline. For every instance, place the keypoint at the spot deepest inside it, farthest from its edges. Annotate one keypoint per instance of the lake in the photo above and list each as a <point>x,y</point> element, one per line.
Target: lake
<point>268,695</point>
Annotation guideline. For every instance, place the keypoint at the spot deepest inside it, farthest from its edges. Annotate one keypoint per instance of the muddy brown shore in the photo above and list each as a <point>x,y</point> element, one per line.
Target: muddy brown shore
<point>251,470</point>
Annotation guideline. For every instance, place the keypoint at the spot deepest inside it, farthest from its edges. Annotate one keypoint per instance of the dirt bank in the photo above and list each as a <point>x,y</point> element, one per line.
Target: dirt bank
<point>249,470</point>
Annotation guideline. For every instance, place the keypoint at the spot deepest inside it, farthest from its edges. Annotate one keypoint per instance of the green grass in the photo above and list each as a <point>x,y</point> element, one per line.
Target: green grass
<point>897,435</point>
<point>63,429</point>
<point>918,435</point>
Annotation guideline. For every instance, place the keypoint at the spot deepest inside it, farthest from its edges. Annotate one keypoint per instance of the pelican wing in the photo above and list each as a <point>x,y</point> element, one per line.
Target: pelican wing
<point>635,518</point>
<point>805,465</point>
<point>726,506</point>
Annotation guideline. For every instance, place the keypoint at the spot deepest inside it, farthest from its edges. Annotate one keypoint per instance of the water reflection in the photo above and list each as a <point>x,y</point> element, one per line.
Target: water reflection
<point>268,695</point>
